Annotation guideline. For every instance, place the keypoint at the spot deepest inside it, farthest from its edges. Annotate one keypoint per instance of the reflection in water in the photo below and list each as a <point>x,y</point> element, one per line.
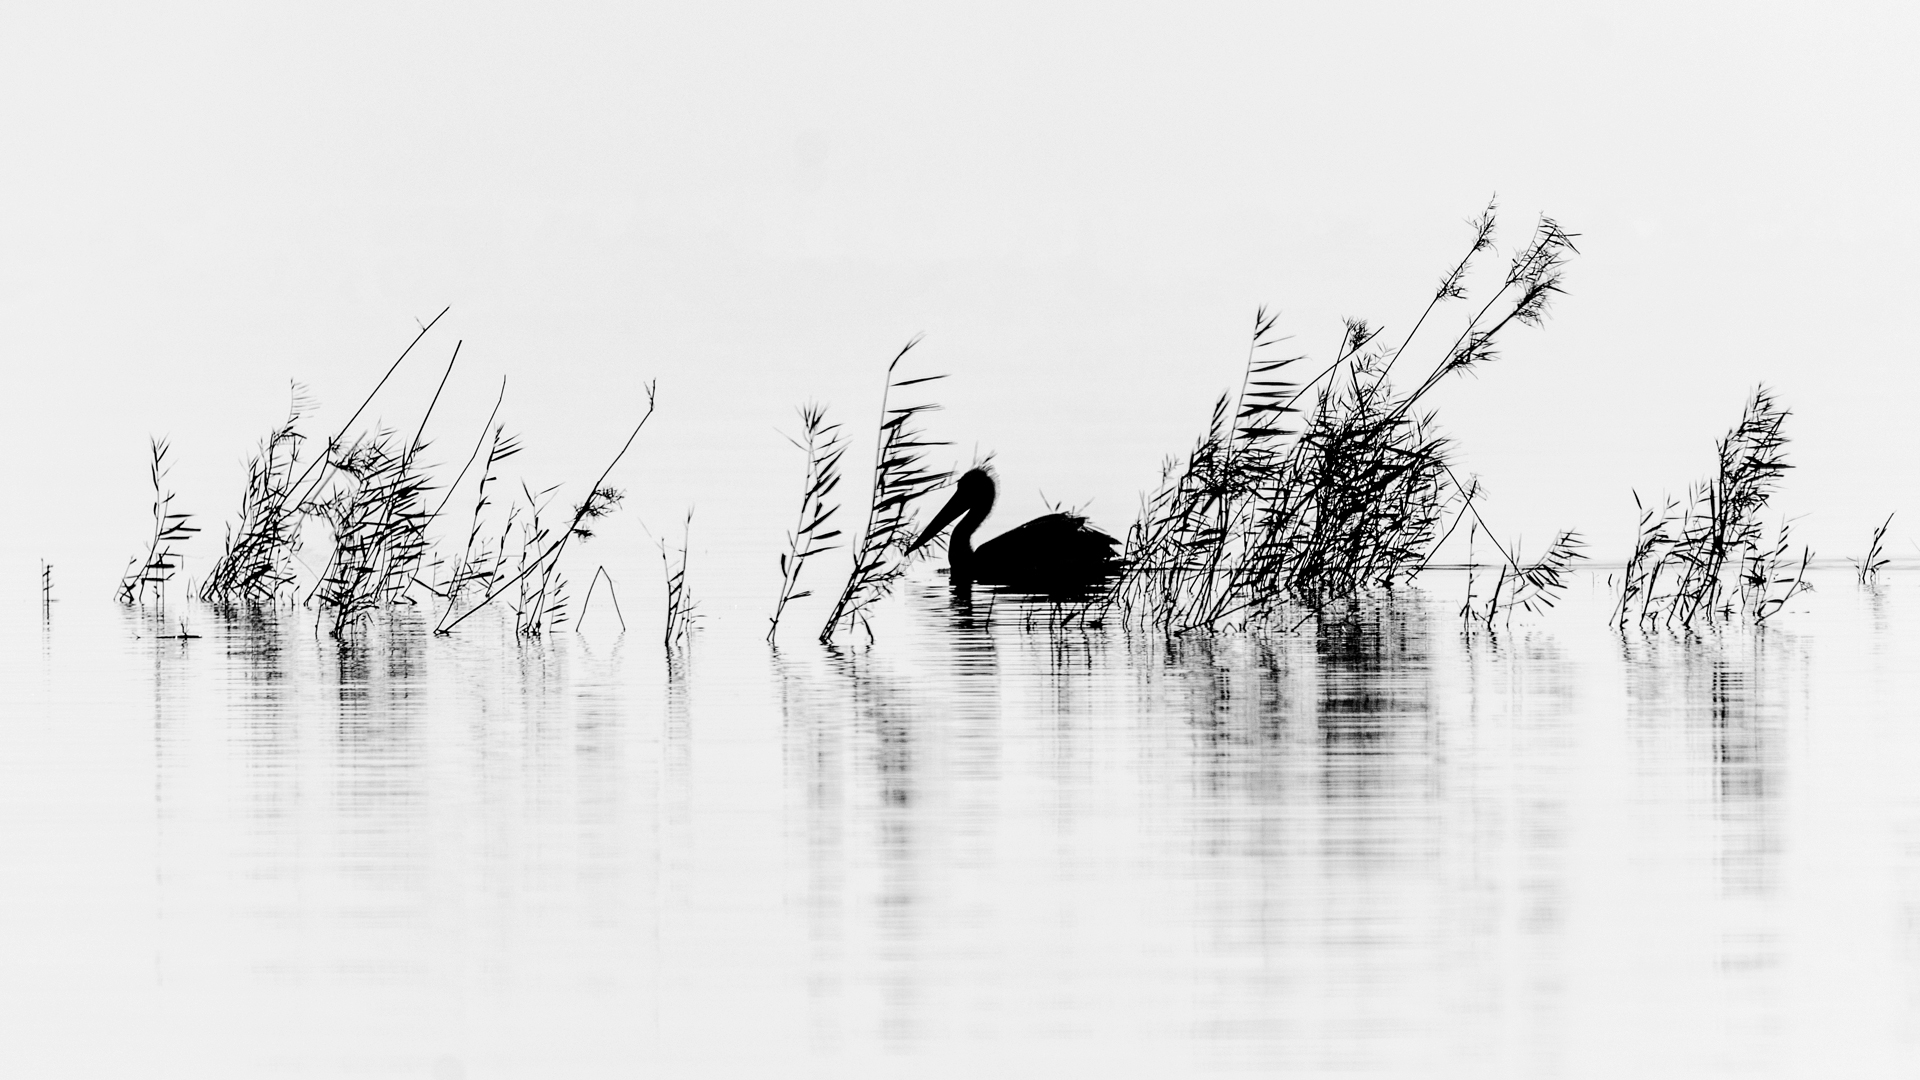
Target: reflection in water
<point>1242,844</point>
<point>1725,701</point>
<point>1003,840</point>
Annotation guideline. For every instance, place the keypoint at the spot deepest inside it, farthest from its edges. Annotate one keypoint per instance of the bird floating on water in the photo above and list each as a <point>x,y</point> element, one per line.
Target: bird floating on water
<point>1057,554</point>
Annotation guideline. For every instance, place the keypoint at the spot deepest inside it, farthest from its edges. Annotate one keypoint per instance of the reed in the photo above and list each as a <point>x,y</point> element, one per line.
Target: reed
<point>540,601</point>
<point>680,603</point>
<point>255,566</point>
<point>1867,570</point>
<point>379,522</point>
<point>1530,586</point>
<point>541,550</point>
<point>900,478</point>
<point>820,443</point>
<point>1710,557</point>
<point>1308,496</point>
<point>586,605</point>
<point>479,563</point>
<point>370,492</point>
<point>148,574</point>
<point>462,571</point>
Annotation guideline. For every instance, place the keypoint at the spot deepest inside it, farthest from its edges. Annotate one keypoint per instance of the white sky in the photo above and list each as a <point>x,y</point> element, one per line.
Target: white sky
<point>1080,207</point>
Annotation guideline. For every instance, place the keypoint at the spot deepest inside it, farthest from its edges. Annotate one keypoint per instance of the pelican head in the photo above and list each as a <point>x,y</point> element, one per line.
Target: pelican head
<point>972,496</point>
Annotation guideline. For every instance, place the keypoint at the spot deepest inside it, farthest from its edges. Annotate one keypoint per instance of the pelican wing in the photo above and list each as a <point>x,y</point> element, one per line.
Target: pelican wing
<point>1057,553</point>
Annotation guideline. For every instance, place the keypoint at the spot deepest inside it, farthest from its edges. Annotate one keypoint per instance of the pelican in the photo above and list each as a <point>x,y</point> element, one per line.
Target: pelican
<point>1055,554</point>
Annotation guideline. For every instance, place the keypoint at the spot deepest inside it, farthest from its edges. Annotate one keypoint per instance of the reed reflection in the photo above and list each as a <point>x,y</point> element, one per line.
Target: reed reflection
<point>1708,716</point>
<point>893,765</point>
<point>1726,696</point>
<point>332,812</point>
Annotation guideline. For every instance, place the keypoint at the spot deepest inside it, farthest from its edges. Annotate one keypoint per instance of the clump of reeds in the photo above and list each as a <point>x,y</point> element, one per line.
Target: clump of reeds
<point>680,604</point>
<point>475,564</point>
<point>1311,495</point>
<point>148,574</point>
<point>1531,586</point>
<point>1710,556</point>
<point>379,522</point>
<point>1868,569</point>
<point>820,443</point>
<point>537,581</point>
<point>256,562</point>
<point>370,492</point>
<point>899,478</point>
<point>479,563</point>
<point>540,600</point>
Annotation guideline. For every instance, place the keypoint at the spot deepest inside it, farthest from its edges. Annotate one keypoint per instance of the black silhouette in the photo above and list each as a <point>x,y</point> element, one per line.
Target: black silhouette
<point>1054,555</point>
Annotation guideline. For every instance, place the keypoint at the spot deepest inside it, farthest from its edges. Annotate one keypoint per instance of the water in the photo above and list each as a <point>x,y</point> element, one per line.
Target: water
<point>1379,847</point>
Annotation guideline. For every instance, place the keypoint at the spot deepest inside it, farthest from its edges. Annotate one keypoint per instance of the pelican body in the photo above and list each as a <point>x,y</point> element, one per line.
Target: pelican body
<point>1057,554</point>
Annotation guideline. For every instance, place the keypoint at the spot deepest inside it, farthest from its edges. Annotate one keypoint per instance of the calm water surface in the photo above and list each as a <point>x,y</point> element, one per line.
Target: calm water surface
<point>1378,847</point>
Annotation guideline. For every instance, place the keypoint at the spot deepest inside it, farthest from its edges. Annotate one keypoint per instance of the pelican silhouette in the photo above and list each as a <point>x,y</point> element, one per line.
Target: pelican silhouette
<point>1057,554</point>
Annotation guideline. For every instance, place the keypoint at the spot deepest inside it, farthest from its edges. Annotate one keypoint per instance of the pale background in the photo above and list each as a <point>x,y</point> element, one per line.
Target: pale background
<point>1080,207</point>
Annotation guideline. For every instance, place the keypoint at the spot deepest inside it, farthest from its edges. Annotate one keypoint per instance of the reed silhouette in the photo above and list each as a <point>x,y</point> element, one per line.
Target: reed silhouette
<point>899,480</point>
<point>681,609</point>
<point>1867,570</point>
<point>541,595</point>
<point>255,566</point>
<point>812,533</point>
<point>368,495</point>
<point>147,575</point>
<point>1710,557</point>
<point>1301,497</point>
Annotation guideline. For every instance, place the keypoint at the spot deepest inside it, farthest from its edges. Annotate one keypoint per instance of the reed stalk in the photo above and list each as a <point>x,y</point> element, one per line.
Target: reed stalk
<point>540,603</point>
<point>149,574</point>
<point>1867,570</point>
<point>899,480</point>
<point>479,564</point>
<point>587,604</point>
<point>820,443</point>
<point>680,603</point>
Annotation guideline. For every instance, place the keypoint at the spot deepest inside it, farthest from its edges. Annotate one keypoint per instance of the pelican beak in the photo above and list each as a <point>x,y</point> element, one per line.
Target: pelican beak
<point>954,508</point>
